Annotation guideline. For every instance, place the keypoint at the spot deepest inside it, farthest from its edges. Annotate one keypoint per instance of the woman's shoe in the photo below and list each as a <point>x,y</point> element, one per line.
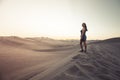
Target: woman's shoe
<point>81,50</point>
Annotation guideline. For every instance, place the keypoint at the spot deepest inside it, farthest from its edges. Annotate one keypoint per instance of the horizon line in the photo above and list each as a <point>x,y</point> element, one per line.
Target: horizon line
<point>55,38</point>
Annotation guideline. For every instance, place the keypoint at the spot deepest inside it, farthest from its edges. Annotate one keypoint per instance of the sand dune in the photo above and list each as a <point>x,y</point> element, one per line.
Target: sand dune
<point>49,59</point>
<point>23,57</point>
<point>101,62</point>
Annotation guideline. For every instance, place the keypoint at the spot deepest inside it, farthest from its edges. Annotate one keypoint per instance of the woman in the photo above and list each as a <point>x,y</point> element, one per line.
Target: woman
<point>83,38</point>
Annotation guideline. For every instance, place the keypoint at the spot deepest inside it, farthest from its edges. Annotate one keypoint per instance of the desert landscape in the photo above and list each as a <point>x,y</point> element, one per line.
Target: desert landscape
<point>49,59</point>
<point>41,39</point>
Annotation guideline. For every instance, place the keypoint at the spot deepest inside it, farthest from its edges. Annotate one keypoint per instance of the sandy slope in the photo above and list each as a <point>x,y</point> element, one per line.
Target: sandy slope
<point>22,58</point>
<point>101,62</point>
<point>48,59</point>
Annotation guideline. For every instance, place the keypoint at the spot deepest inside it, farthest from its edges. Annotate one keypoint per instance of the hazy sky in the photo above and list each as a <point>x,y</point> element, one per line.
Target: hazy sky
<point>60,18</point>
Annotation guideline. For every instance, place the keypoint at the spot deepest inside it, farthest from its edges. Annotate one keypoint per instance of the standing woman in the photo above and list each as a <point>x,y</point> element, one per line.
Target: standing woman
<point>83,38</point>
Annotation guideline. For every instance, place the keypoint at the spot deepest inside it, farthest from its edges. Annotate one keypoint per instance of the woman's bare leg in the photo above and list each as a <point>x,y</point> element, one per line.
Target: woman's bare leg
<point>81,46</point>
<point>85,45</point>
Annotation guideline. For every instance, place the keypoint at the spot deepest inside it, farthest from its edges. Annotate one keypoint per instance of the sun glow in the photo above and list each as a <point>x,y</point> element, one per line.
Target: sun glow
<point>57,19</point>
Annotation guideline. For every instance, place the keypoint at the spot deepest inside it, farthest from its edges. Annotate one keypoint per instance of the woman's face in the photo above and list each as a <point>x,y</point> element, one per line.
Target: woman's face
<point>83,25</point>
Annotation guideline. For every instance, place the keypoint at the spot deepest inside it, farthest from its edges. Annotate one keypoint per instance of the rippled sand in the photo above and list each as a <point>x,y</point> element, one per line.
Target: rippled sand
<point>48,59</point>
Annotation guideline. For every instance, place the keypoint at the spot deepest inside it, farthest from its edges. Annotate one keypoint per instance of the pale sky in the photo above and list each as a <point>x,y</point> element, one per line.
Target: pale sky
<point>60,19</point>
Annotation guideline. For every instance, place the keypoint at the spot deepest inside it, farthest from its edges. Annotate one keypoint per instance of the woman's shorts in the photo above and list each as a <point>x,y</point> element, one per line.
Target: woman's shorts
<point>83,38</point>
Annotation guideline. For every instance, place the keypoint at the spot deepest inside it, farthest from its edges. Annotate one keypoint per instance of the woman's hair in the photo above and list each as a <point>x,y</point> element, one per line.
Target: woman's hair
<point>84,25</point>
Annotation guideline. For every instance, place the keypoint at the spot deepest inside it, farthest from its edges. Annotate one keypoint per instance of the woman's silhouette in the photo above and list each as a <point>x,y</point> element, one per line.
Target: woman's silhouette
<point>83,38</point>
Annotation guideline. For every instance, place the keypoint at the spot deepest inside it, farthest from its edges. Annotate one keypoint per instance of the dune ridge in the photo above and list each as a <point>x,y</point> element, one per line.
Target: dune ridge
<point>49,59</point>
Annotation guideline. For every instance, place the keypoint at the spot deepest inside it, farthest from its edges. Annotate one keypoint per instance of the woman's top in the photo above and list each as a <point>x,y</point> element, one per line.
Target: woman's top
<point>83,34</point>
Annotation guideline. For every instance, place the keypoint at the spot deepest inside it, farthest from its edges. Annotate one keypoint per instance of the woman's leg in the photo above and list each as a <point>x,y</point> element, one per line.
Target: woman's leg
<point>85,45</point>
<point>81,45</point>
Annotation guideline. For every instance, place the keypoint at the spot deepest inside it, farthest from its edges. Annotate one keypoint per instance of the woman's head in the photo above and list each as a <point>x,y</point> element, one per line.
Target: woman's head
<point>84,25</point>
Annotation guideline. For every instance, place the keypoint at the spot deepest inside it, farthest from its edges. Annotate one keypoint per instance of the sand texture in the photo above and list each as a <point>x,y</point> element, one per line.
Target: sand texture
<point>49,59</point>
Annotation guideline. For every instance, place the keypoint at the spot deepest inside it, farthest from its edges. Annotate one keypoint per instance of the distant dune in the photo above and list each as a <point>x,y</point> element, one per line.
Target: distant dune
<point>49,59</point>
<point>112,40</point>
